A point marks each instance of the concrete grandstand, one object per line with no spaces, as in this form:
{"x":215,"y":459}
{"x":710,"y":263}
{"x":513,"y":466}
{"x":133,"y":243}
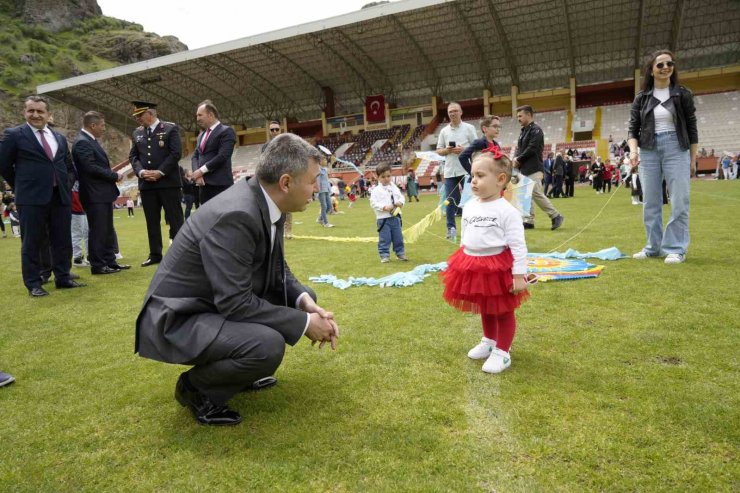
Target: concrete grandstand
{"x":569,"y":59}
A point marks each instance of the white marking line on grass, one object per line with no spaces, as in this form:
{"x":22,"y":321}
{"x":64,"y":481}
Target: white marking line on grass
{"x":718,"y":196}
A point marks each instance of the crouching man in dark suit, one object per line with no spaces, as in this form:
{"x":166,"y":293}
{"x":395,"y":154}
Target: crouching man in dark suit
{"x":223,"y":299}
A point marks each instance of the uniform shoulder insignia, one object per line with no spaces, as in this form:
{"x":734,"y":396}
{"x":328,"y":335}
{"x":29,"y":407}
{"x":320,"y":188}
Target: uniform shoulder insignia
{"x":140,"y":127}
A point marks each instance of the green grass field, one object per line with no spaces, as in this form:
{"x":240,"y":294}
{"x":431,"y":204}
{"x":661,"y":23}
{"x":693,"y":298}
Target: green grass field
{"x":628,"y":382}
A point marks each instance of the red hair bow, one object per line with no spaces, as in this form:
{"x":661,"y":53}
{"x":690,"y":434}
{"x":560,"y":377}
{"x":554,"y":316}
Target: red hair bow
{"x":495,"y":150}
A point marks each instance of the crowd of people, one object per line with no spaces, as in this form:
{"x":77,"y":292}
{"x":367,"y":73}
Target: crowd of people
{"x":223,"y":299}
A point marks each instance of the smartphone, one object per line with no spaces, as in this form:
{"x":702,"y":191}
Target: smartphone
{"x":452,"y":144}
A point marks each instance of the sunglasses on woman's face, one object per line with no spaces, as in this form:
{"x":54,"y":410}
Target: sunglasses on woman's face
{"x":670,"y":64}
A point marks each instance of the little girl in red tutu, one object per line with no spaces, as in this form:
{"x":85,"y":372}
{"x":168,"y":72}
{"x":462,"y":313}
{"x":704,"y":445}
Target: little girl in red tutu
{"x":487,"y":274}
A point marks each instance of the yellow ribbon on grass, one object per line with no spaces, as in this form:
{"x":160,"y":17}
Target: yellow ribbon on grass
{"x":410,"y":235}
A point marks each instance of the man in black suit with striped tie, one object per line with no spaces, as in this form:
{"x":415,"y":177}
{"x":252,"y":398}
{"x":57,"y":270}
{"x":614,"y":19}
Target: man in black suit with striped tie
{"x":212,"y":157}
{"x":98,"y":190}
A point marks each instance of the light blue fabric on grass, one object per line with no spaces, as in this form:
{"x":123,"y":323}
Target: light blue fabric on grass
{"x":612,"y":253}
{"x":399,"y":279}
{"x":420,"y":272}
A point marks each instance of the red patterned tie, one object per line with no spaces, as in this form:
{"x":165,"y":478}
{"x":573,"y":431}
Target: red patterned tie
{"x":46,"y":146}
{"x":203,"y":142}
{"x":49,"y":154}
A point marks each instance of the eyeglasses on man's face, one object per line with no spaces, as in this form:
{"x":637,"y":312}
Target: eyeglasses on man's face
{"x":274,"y":130}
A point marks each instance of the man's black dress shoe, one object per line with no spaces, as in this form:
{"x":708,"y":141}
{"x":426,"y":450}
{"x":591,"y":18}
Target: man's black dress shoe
{"x":119,"y":266}
{"x":203,"y":410}
{"x":104,"y":270}
{"x":528,"y":226}
{"x":37,"y":292}
{"x":70,"y":284}
{"x":150,"y":261}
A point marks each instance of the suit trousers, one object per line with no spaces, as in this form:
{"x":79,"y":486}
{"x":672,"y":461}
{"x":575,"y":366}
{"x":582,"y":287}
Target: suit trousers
{"x":241,"y":353}
{"x":569,"y":186}
{"x":539,"y":198}
{"x":45,"y":257}
{"x":154,"y":201}
{"x":37,"y":221}
{"x":207,"y":192}
{"x":101,"y":240}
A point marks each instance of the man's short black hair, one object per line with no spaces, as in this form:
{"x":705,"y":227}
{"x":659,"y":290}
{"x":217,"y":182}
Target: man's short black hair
{"x":35,"y":98}
{"x":526,"y":108}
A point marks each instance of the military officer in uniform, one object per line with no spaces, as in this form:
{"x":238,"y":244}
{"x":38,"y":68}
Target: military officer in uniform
{"x":154,"y":157}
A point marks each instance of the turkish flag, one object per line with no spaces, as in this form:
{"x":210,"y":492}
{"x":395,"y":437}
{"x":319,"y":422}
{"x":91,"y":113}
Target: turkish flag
{"x":375,"y":108}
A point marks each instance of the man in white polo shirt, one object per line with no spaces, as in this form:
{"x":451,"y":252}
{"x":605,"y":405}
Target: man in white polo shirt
{"x":453,"y":139}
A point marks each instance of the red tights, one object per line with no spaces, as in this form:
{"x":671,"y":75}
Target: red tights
{"x":500,"y":328}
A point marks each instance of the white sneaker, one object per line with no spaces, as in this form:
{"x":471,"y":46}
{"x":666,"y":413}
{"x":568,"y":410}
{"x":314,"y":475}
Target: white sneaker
{"x":675,"y":258}
{"x":328,"y":225}
{"x":483,"y":349}
{"x":385,"y":260}
{"x":641,"y":255}
{"x":497,"y":362}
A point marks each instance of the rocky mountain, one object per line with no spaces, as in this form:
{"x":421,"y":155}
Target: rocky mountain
{"x":46,"y":40}
{"x":56,"y":16}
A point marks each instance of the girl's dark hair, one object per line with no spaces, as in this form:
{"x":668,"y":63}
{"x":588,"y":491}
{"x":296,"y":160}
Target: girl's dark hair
{"x":648,"y":81}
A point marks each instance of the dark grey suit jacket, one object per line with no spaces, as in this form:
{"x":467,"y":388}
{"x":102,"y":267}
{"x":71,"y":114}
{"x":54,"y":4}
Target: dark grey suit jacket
{"x":25,"y":166}
{"x":216,"y":156}
{"x":97,"y":180}
{"x":219,"y":268}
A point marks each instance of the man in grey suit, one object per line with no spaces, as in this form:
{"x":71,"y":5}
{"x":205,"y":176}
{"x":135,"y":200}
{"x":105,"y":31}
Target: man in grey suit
{"x":224,"y":300}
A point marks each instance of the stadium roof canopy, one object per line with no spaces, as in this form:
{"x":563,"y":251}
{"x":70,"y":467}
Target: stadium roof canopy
{"x":410,"y":50}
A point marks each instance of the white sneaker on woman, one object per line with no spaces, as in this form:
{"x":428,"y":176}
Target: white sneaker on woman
{"x":675,"y":258}
{"x":483,"y":349}
{"x":497,"y":362}
{"x":641,"y":255}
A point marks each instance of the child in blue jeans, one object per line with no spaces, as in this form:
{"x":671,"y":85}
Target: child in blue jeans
{"x":387,"y":200}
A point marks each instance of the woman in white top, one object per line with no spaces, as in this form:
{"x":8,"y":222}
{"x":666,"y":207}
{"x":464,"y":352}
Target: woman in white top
{"x":663,"y":124}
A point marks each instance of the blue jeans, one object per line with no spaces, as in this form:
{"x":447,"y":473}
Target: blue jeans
{"x":325,"y":204}
{"x":389,"y":231}
{"x":667,"y":161}
{"x":452,"y":188}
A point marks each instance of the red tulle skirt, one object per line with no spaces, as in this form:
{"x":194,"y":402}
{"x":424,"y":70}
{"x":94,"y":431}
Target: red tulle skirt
{"x":481,"y":284}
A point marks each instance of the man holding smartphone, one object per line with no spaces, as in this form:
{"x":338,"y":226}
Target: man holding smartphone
{"x":453,"y":139}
